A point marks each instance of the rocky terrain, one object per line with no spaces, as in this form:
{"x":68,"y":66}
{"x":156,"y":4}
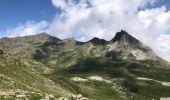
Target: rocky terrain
{"x":45,"y":67}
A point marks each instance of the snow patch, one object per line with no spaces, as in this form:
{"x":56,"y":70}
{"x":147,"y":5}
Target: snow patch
{"x":148,"y":79}
{"x":165,"y":83}
{"x":98,"y":78}
{"x":79,"y":79}
{"x":145,"y":79}
{"x":165,"y":98}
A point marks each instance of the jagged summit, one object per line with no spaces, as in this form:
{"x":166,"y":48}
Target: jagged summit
{"x":124,"y":36}
{"x":44,"y":37}
{"x":121,"y":36}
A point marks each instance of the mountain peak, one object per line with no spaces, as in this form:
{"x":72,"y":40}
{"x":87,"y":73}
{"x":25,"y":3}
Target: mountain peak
{"x":97,"y":41}
{"x":122,"y":32}
{"x":124,"y":36}
{"x":28,"y":40}
{"x":44,"y":37}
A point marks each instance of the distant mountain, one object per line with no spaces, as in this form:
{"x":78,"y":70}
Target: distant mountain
{"x":28,"y":40}
{"x":122,"y":69}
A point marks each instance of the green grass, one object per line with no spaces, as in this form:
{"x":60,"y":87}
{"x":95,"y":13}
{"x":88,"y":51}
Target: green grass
{"x":121,"y":72}
{"x":129,"y":71}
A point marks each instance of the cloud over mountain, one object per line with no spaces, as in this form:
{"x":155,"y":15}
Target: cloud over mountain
{"x":85,"y":19}
{"x":28,"y":28}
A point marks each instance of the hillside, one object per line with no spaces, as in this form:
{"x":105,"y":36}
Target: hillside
{"x":121,"y":69}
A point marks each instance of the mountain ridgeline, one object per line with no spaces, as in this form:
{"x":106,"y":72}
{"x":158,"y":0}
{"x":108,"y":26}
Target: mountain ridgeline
{"x":122,"y":68}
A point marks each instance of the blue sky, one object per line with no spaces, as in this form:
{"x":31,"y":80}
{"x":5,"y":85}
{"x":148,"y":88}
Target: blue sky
{"x":163,"y":2}
{"x":14,"y":12}
{"x":147,"y":20}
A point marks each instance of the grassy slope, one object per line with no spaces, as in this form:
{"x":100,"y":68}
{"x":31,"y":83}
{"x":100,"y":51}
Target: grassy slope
{"x":122,"y":73}
{"x":18,"y":76}
{"x":69,"y":61}
{"x":115,"y":70}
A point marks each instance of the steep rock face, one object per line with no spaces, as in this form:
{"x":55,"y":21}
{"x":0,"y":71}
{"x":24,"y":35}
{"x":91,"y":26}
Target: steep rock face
{"x":126,"y":46}
{"x":122,"y":46}
{"x":124,"y":36}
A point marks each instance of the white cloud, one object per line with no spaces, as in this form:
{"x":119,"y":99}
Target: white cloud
{"x":59,"y":3}
{"x":101,"y":18}
{"x":162,"y":46}
{"x":28,"y":28}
